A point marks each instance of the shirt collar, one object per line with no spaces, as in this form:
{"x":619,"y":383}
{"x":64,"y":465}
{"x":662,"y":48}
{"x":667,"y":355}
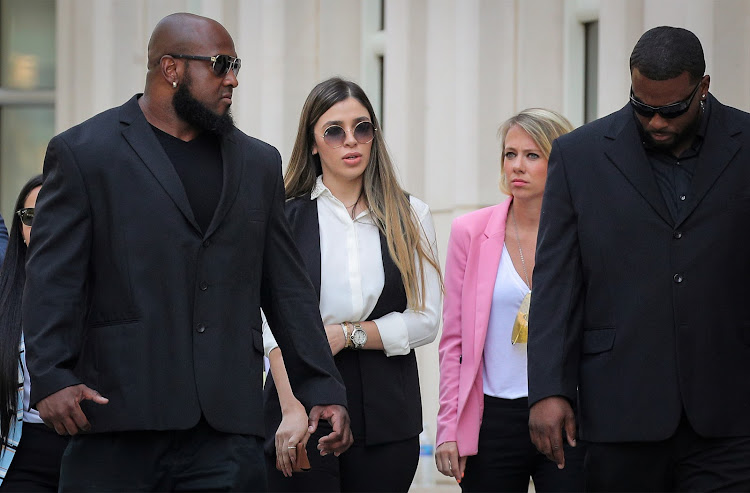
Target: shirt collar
{"x":320,"y":189}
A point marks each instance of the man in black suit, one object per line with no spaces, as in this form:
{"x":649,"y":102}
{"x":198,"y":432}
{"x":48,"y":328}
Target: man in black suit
{"x":159,"y":235}
{"x":639,"y":312}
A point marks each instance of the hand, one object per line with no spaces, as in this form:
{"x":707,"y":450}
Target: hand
{"x":547,"y":420}
{"x":291,"y":440}
{"x":62,"y":410}
{"x":340,"y":438}
{"x":449,"y":462}
{"x":335,"y":338}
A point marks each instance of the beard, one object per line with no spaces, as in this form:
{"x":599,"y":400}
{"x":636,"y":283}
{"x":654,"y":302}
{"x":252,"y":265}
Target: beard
{"x":197,"y":114}
{"x":677,"y":138}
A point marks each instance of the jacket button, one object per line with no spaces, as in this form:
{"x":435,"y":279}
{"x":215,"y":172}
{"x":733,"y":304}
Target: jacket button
{"x":677,"y":235}
{"x":677,"y":278}
{"x":206,"y":243}
{"x":201,"y":329}
{"x":203,"y":286}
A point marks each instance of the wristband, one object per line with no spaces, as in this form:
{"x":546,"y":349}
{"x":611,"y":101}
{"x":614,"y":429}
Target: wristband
{"x":347,"y":340}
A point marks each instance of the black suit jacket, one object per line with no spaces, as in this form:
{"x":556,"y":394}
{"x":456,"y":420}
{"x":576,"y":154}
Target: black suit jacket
{"x":644,"y":314}
{"x":382,"y":391}
{"x":126,"y":294}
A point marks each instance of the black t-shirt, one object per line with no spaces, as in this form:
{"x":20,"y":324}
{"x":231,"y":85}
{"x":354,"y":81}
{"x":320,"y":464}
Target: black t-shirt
{"x":199,"y":165}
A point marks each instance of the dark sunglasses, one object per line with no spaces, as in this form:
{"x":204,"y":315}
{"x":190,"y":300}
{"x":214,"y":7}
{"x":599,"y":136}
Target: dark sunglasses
{"x":335,"y":135}
{"x":667,"y":111}
{"x":26,"y":215}
{"x":219,"y":63}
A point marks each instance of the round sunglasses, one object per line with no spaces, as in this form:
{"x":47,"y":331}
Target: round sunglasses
{"x":26,"y":215}
{"x":221,"y":64}
{"x":335,"y":135}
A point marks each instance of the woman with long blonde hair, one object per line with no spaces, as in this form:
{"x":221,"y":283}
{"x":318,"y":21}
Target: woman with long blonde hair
{"x":370,"y":250}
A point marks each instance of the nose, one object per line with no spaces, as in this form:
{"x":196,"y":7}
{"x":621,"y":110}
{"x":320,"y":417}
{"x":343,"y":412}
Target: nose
{"x":350,"y":141}
{"x":658,"y":122}
{"x":230,"y":79}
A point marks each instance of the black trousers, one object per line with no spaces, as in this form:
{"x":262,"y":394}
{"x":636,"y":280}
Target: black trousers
{"x":506,"y":458}
{"x":684,"y":462}
{"x":198,"y":459}
{"x":36,"y":465}
{"x":376,"y":468}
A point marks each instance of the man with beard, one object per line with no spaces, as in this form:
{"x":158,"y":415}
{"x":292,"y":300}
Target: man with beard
{"x":158,"y":237}
{"x":639,"y":312}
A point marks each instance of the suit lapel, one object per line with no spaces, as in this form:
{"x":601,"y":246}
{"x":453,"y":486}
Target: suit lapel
{"x":718,"y":149}
{"x":490,"y":251}
{"x":624,"y":148}
{"x":139,"y":134}
{"x":232,"y":163}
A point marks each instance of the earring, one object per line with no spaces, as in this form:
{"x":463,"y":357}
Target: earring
{"x":703,"y":106}
{"x":174,"y":84}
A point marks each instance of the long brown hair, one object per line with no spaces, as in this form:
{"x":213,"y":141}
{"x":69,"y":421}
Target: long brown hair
{"x":389,"y":204}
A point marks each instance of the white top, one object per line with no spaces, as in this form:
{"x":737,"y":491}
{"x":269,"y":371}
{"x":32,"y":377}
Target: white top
{"x":504,"y":372}
{"x":352,"y":276}
{"x":30,"y":415}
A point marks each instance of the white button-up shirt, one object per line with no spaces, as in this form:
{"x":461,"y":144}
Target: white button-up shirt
{"x":352,"y":276}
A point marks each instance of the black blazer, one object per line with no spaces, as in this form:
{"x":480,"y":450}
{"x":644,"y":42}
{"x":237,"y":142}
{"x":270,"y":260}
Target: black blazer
{"x":382,"y":392}
{"x":644,"y":314}
{"x":126,"y":294}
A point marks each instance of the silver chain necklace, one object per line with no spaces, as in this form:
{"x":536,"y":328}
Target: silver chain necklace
{"x":520,"y":251}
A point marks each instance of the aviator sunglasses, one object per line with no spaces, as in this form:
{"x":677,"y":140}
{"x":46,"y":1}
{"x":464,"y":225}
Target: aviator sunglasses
{"x":335,"y":135}
{"x":219,"y":63}
{"x":26,"y":215}
{"x":667,"y":111}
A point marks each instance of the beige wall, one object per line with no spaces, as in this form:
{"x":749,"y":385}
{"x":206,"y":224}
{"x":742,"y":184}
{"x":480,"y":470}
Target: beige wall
{"x":454,"y":70}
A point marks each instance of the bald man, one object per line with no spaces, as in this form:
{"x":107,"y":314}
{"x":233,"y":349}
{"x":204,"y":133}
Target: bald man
{"x":158,"y":237}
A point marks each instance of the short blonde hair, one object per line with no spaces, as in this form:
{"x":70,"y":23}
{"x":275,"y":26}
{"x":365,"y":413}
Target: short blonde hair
{"x":542,"y":125}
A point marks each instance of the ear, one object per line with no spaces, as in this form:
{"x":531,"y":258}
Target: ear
{"x":705,"y":83}
{"x":169,"y":70}
{"x":314,"y":149}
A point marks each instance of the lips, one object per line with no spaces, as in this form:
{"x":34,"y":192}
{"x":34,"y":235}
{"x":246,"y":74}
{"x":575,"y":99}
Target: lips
{"x":352,"y":158}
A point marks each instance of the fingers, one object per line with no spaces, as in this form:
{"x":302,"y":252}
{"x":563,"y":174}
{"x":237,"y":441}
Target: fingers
{"x":447,"y":463}
{"x":313,"y":419}
{"x":340,"y":439}
{"x":570,"y":430}
{"x":558,"y":452}
{"x":93,"y":395}
{"x":462,"y":467}
{"x":285,"y":456}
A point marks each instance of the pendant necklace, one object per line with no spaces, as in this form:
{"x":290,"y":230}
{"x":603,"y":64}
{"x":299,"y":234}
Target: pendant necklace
{"x":520,"y":331}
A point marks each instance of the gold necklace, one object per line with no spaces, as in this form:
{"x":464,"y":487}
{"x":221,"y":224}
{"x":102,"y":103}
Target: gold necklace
{"x":520,"y":332}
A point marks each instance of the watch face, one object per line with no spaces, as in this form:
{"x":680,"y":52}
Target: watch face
{"x":359,"y":337}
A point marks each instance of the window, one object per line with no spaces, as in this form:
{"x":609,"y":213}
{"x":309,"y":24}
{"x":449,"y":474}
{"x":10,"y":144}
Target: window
{"x":373,"y":52}
{"x":27,"y":96}
{"x":591,"y":69}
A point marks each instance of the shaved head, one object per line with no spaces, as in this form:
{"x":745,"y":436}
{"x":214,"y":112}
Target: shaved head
{"x":183,"y":93}
{"x":181,"y":33}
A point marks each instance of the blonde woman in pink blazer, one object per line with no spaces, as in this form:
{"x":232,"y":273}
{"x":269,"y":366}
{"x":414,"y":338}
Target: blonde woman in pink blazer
{"x":482,"y":432}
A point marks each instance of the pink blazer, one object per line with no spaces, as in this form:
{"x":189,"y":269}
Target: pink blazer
{"x":474,"y":250}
